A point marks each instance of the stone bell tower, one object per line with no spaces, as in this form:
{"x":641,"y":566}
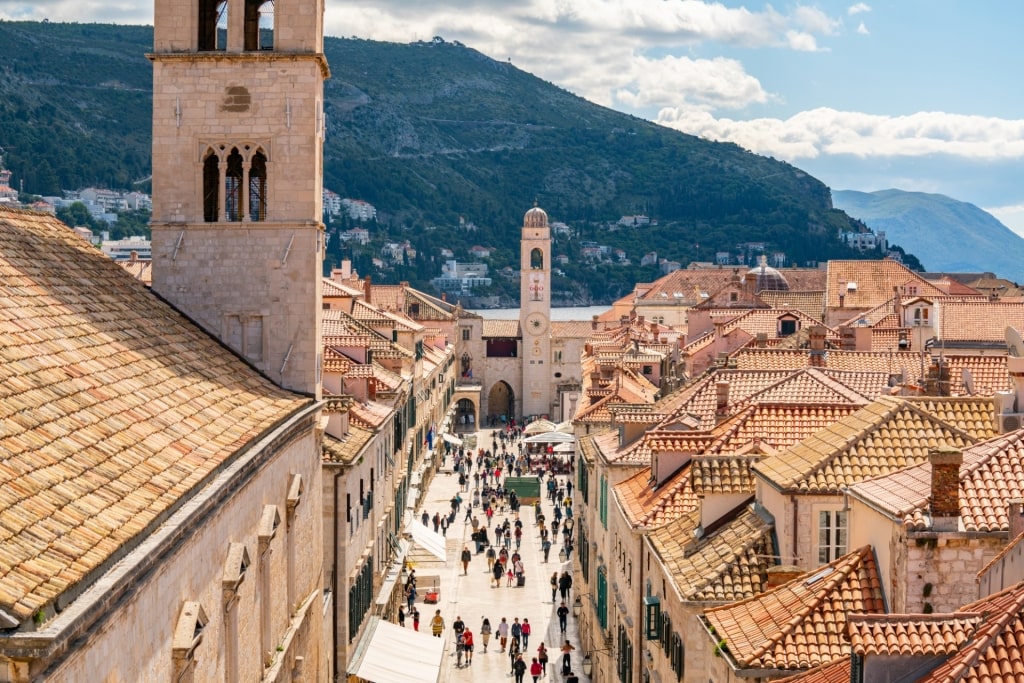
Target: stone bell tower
{"x":237,"y":176}
{"x":535,"y":312}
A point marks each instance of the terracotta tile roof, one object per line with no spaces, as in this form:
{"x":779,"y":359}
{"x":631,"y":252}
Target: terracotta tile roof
{"x":989,"y":372}
{"x":983,"y":321}
{"x":645,"y":506}
{"x":370,"y":414}
{"x":687,"y":285}
{"x":991,"y":474}
{"x":972,"y":414}
{"x":332,"y":289}
{"x":347,"y":449}
{"x":571,"y":329}
{"x":911,"y":635}
{"x":730,"y":563}
{"x":505,"y":329}
{"x":875,"y":281}
{"x":777,"y":426}
{"x":754,"y":322}
{"x":881,"y":438}
{"x":837,"y":672}
{"x":800,"y":624}
{"x":722,"y":474}
{"x":114,"y":408}
{"x":996,"y":652}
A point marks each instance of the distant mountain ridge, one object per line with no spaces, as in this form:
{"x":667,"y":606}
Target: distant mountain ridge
{"x":944,"y":233}
{"x":431,"y":133}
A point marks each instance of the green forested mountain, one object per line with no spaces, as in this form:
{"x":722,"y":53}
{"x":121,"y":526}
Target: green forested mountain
{"x":429,"y":133}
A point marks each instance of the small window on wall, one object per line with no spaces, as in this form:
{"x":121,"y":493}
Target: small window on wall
{"x":652,"y":616}
{"x":233,"y":187}
{"x":832,"y":528}
{"x":258,"y":187}
{"x":211,"y":186}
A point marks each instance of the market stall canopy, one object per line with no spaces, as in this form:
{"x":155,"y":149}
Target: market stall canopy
{"x":564,"y":427}
{"x":431,"y":541}
{"x":453,"y":440}
{"x":564,"y":448}
{"x":388,"y":653}
{"x":539,"y":427}
{"x":551,"y":437}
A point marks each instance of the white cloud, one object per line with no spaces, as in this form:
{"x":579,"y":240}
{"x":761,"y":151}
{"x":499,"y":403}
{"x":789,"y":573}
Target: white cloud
{"x":859,"y":8}
{"x":862,"y":29}
{"x":824,"y":131}
{"x":1011,"y":216}
{"x":684,"y":82}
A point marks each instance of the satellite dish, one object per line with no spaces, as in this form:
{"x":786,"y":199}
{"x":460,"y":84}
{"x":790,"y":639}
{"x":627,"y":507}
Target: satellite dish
{"x":1013,"y":342}
{"x":969,"y":380}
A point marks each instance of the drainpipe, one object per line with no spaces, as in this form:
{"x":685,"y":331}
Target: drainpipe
{"x":796,"y":505}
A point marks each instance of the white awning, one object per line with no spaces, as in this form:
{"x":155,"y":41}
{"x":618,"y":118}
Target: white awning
{"x":565,"y":448}
{"x":388,"y":653}
{"x":453,"y":440}
{"x":394,"y":572}
{"x":412,"y":496}
{"x":431,"y":541}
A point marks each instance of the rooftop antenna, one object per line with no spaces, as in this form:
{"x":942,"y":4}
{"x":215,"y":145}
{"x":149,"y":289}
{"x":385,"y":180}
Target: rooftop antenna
{"x":968,"y":381}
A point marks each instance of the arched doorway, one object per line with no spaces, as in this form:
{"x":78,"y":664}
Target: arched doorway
{"x":465,"y":415}
{"x":501,"y":403}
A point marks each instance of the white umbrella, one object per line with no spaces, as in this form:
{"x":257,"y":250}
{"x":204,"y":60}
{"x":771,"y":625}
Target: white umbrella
{"x":564,"y":427}
{"x":539,"y":427}
{"x":551,"y":437}
{"x":565,"y":448}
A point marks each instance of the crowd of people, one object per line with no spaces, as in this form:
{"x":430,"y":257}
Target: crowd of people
{"x":481,"y":476}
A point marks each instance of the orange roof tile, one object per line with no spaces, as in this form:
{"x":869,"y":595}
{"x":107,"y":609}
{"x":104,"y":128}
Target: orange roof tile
{"x":874,"y":283}
{"x":911,"y":635}
{"x":648,"y":507}
{"x":837,"y":672}
{"x":800,"y":624}
{"x":506,"y":329}
{"x":114,"y":406}
{"x":991,"y":474}
{"x":883,"y":437}
{"x":730,"y":563}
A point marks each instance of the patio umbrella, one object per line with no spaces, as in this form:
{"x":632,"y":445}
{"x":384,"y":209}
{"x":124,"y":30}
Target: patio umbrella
{"x":538,"y":427}
{"x":565,"y":448}
{"x":551,"y":437}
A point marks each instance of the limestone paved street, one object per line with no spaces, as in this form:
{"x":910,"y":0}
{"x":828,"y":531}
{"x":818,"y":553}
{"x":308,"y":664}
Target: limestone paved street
{"x":472,"y":597}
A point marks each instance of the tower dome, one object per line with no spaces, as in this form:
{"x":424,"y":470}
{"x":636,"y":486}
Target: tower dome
{"x":767,"y":278}
{"x":536,"y":218}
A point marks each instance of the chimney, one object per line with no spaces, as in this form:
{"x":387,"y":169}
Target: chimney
{"x":780,"y":574}
{"x":346,"y":269}
{"x":721,"y":401}
{"x":817,"y":341}
{"x":134,"y":257}
{"x":366,"y":290}
{"x":1016,"y":517}
{"x":444,"y":296}
{"x":593,"y":322}
{"x":762,"y":340}
{"x":944,"y":502}
{"x":897,"y":305}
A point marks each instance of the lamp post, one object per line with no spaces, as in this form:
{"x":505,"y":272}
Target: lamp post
{"x":577,"y":607}
{"x":588,"y":665}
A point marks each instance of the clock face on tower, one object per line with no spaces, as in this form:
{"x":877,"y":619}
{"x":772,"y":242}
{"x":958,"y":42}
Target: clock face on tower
{"x":536,"y":323}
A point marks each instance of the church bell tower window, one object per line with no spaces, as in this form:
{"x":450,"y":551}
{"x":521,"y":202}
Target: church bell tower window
{"x":259,"y":25}
{"x":233,"y":187}
{"x":258,"y":187}
{"x":211,"y":183}
{"x":213,"y":25}
{"x":537,"y":259}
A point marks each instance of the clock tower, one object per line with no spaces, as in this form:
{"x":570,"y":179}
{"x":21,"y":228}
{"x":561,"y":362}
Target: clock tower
{"x":535,"y":312}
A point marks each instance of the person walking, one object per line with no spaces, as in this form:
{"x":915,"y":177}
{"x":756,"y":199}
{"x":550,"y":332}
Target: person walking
{"x":497,"y":571}
{"x":564,"y":584}
{"x":563,"y":616}
{"x":466,"y":557}
{"x":401,"y":616}
{"x":514,"y":656}
{"x":467,"y":645}
{"x":542,"y":657}
{"x":567,"y":649}
{"x":491,"y":557}
{"x":535,"y":670}
{"x":503,"y":633}
{"x":554,"y":586}
{"x":546,"y":546}
{"x":415,"y":619}
{"x":485,"y":632}
{"x":459,"y":626}
{"x":525,"y":632}
{"x":518,"y":667}
{"x":517,"y":634}
{"x":437,"y":624}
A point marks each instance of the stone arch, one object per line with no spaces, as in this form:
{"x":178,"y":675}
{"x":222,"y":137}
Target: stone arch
{"x":233,"y":176}
{"x":536,"y":259}
{"x":467,"y":414}
{"x":501,"y":401}
{"x":211,"y":186}
{"x":259,"y":25}
{"x":213,"y":25}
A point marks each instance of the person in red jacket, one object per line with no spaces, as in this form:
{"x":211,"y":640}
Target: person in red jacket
{"x":535,"y":670}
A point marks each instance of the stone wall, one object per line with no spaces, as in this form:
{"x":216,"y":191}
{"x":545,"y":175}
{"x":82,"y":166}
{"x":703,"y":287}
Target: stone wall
{"x":942,"y":569}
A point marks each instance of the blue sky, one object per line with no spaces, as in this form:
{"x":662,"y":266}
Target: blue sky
{"x":913,"y":94}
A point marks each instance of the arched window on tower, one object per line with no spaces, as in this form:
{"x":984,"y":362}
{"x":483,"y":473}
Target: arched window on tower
{"x":211,"y":185}
{"x":537,"y":259}
{"x":258,"y":187}
{"x":213,"y":25}
{"x":259,"y":25}
{"x":233,"y":187}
